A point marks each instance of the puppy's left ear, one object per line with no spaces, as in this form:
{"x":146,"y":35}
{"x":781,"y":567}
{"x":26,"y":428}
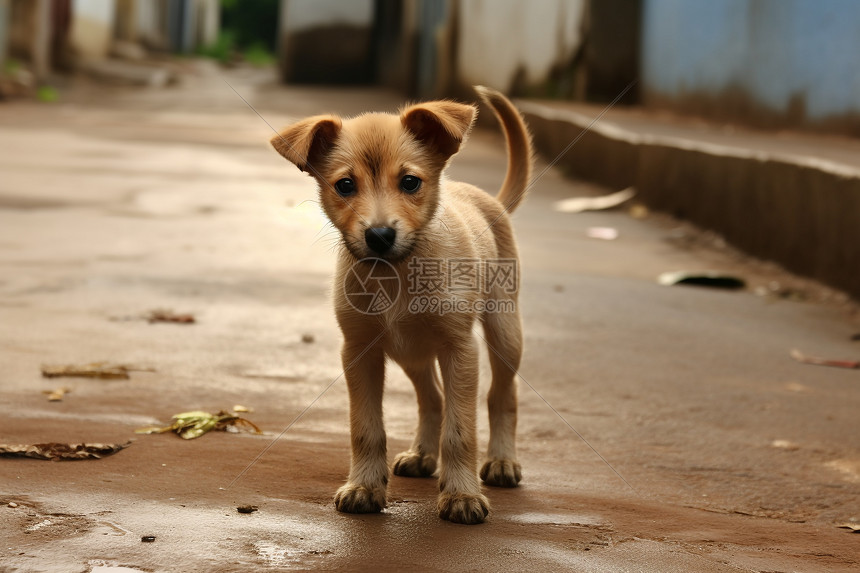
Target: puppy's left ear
{"x":308,"y":142}
{"x":441,"y":125}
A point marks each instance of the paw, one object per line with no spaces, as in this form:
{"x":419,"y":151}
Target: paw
{"x":355,"y":498}
{"x":463,"y":508}
{"x":501,"y":473}
{"x":413,"y":464}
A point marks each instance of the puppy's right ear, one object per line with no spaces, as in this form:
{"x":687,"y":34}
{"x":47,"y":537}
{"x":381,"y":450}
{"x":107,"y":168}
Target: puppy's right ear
{"x":441,"y":125}
{"x":308,"y":142}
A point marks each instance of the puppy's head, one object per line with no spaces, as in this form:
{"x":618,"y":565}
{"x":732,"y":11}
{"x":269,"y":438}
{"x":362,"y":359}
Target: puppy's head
{"x":379,"y":174}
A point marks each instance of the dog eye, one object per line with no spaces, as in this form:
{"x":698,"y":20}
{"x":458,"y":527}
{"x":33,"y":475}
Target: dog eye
{"x":345,"y":187}
{"x":410,"y":184}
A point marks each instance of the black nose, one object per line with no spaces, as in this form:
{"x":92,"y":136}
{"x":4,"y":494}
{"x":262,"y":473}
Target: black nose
{"x":380,"y":239}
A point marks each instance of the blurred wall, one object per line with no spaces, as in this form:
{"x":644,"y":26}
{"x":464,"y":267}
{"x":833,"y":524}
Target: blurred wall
{"x":177,"y":25}
{"x":612,"y":51}
{"x":207,"y":22}
{"x":396,"y":44}
{"x":326,"y":41}
{"x":517,"y":46}
{"x":439,"y":48}
{"x":5,"y":14}
{"x":768,"y":62}
{"x":151,"y":19}
{"x":92,"y":28}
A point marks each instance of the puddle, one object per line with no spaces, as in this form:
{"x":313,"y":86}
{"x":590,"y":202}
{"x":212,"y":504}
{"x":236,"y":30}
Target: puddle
{"x":537,"y":518}
{"x":40,"y":525}
{"x":114,"y":569}
{"x":274,"y":554}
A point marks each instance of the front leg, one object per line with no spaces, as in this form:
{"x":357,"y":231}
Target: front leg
{"x":364,"y":490}
{"x":460,"y":499}
{"x":420,"y":459}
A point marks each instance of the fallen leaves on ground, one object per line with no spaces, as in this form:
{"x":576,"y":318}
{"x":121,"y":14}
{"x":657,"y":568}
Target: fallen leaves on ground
{"x":58,"y":451}
{"x":167,"y":315}
{"x":190,"y":425}
{"x":158,"y":315}
{"x":818,"y":361}
{"x":604,"y":233}
{"x":579,"y":204}
{"x":101,"y":370}
{"x":56,"y":395}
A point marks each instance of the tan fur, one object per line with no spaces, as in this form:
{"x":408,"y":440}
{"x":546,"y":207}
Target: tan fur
{"x":444,"y":220}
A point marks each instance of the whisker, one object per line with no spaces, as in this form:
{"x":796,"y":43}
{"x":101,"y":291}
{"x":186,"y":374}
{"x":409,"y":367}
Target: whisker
{"x":326,"y":235}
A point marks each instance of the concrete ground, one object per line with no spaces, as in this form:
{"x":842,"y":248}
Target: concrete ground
{"x":113,"y":203}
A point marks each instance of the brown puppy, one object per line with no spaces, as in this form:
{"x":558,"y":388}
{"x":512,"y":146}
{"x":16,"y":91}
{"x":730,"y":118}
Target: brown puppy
{"x":423,"y":258}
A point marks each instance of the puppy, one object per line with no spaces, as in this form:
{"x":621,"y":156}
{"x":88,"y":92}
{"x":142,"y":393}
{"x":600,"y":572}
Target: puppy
{"x":422,"y":259}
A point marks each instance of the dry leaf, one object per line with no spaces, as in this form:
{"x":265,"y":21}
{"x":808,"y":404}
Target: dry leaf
{"x":103,"y":370}
{"x":579,"y":204}
{"x":166,"y":315}
{"x":56,"y":395}
{"x":57,"y":451}
{"x":854,"y":527}
{"x":806,"y":359}
{"x":190,"y":425}
{"x":605,"y":233}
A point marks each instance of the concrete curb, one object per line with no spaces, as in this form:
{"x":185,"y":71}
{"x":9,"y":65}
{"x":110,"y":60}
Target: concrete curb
{"x":801,"y":212}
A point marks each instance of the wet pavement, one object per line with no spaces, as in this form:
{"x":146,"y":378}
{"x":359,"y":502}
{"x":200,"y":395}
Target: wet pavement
{"x":113,"y":203}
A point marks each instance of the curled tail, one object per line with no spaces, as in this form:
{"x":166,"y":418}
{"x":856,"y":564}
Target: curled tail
{"x":519,"y":148}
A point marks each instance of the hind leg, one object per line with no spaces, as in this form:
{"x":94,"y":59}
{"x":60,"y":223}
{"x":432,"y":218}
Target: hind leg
{"x":505,"y":342}
{"x":420,"y":459}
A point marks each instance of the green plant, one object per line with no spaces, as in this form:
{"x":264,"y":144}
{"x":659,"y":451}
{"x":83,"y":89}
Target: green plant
{"x":12,"y":66}
{"x":47,"y":94}
{"x":223,"y":48}
{"x":257,"y":55}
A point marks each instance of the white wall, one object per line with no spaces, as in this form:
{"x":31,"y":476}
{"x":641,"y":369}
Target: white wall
{"x":497,"y":37}
{"x":92,"y":27}
{"x":208,"y":22}
{"x":150,"y":26}
{"x":302,"y":14}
